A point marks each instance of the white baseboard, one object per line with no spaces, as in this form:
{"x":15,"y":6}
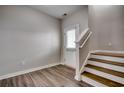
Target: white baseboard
{"x":108,"y":51}
{"x":93,"y":51}
{"x":68,"y":65}
{"x":27,"y":71}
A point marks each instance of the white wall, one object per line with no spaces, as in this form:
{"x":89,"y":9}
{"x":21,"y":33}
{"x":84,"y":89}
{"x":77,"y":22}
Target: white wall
{"x":28,"y":39}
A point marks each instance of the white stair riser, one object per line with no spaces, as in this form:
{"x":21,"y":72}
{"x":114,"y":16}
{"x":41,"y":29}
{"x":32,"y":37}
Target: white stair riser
{"x":108,"y":51}
{"x":117,"y":59}
{"x":105,"y":75}
{"x":92,"y":82}
{"x":108,"y":66}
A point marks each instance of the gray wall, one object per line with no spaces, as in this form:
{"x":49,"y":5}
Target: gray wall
{"x":79,"y":17}
{"x":28,"y":39}
{"x":107,"y":25}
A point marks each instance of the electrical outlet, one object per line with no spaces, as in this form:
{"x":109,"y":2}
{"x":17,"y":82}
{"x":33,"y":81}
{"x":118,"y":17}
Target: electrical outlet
{"x":109,"y":44}
{"x":23,"y":62}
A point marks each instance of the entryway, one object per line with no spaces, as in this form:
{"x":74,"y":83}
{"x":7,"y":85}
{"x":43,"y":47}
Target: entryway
{"x":70,"y":49}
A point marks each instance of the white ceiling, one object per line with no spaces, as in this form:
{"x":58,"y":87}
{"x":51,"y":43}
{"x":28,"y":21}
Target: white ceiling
{"x":57,"y":11}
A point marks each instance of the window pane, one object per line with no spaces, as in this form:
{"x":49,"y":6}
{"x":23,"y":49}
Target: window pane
{"x":71,"y":39}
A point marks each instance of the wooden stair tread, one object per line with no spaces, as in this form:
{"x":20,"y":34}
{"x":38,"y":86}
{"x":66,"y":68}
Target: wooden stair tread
{"x":109,"y":54}
{"x":107,"y":61}
{"x":102,"y":80}
{"x":112,"y":72}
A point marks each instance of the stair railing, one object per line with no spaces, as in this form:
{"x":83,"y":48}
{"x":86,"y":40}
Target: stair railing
{"x":83,"y":38}
{"x":85,"y":35}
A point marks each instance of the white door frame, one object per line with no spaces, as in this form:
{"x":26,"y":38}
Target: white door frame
{"x":76,"y":26}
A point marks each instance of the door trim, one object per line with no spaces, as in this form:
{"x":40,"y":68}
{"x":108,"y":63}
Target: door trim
{"x":76,"y":26}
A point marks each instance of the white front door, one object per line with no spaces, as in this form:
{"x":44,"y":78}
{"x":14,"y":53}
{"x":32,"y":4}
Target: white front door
{"x":70,"y":46}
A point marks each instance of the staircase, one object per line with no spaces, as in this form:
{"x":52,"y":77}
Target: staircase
{"x":104,"y":69}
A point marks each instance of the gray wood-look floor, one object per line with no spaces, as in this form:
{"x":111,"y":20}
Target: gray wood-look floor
{"x":57,"y":76}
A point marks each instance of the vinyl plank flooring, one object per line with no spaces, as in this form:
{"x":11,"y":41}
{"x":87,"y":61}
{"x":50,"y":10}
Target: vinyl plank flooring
{"x":56,"y":76}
